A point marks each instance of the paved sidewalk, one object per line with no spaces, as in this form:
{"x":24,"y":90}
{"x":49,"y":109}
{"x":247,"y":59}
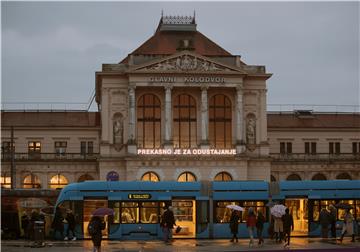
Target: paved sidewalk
{"x":183,"y":245}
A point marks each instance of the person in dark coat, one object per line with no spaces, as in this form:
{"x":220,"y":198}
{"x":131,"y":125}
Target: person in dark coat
{"x":333,"y":221}
{"x":288,"y":223}
{"x":234,"y":225}
{"x":260,"y":220}
{"x":167,"y":223}
{"x":25,"y":225}
{"x":70,"y":218}
{"x":98,"y":224}
{"x":324,"y":220}
{"x":34,"y":217}
{"x":57,"y":224}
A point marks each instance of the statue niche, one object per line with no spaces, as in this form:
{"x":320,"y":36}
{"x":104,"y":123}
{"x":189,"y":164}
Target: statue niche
{"x":118,"y":129}
{"x":251,"y":130}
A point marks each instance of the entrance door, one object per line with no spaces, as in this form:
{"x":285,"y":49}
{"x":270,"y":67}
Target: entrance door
{"x":185,"y":217}
{"x":299,"y":210}
{"x":89,"y":206}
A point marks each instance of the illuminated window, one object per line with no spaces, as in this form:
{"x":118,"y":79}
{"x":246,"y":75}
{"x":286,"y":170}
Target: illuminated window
{"x":58,"y":181}
{"x":343,"y":175}
{"x":186,"y":177}
{"x":149,"y":212}
{"x":184,"y":114}
{"x":319,"y":176}
{"x":150,"y":176}
{"x":31,"y":181}
{"x":85,"y":177}
{"x":220,"y":122}
{"x":293,"y":177}
{"x":129,"y":212}
{"x":34,"y":149}
{"x":5,"y":181}
{"x":223,"y":176}
{"x":149,"y":121}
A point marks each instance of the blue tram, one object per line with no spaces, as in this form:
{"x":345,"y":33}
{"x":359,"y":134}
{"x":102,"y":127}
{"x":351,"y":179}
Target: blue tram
{"x":200,"y":207}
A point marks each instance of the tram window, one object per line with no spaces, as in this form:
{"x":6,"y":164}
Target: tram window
{"x":341,"y":212}
{"x":318,"y":205}
{"x":258,"y":206}
{"x":116,"y":207}
{"x":222,"y":213}
{"x":129,"y":212}
{"x":149,"y":212}
{"x":357,"y":212}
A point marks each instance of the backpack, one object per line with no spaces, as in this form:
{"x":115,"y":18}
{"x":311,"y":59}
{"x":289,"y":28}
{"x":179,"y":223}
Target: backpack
{"x":91,"y":228}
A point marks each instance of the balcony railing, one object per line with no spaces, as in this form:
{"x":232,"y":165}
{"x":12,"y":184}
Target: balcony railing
{"x":315,"y":157}
{"x":49,"y":156}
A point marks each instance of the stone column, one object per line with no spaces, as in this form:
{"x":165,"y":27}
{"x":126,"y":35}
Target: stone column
{"x":264,"y":145}
{"x":132,"y":120}
{"x":240,"y":146}
{"x":168,"y":118}
{"x":204,"y":118}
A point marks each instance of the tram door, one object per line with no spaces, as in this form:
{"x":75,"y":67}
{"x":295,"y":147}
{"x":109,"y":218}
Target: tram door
{"x":299,"y":210}
{"x":90,"y":205}
{"x":185,"y":216}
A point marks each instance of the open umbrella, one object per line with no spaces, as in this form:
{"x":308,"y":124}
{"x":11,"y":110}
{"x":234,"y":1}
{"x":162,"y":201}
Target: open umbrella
{"x":278,"y":210}
{"x":103,"y":211}
{"x":235,"y":207}
{"x":344,"y":206}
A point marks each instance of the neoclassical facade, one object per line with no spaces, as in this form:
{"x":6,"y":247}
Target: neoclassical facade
{"x":179,"y":107}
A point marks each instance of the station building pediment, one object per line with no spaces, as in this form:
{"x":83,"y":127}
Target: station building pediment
{"x":186,"y":62}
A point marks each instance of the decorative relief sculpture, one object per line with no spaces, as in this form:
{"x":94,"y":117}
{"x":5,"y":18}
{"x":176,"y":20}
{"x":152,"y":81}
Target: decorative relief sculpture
{"x":251,"y":131}
{"x":118,"y":129}
{"x":187,"y":63}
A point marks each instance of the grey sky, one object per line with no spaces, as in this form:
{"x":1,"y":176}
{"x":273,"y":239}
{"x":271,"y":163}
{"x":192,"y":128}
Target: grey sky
{"x":51,"y":50}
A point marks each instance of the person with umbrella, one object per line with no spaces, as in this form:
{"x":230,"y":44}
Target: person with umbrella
{"x":278,"y":211}
{"x":348,"y":226}
{"x":234,"y":224}
{"x":96,"y":225}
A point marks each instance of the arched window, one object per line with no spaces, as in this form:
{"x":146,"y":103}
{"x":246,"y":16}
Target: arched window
{"x":85,"y":177}
{"x":150,"y":176}
{"x":344,"y":175}
{"x":272,"y":178}
{"x":5,"y":180}
{"x":293,"y":177}
{"x":223,"y":176}
{"x":58,"y":181}
{"x":220,"y":121}
{"x":31,"y":181}
{"x":186,"y":177}
{"x":319,"y":176}
{"x":184,"y":114}
{"x":149,"y":122}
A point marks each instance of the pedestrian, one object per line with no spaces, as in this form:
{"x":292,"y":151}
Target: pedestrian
{"x":324,"y":220}
{"x":348,"y":227}
{"x":95,"y":227}
{"x":70,"y":218}
{"x":251,"y":224}
{"x":167,"y":223}
{"x":34,"y":217}
{"x":278,"y":229}
{"x":234,"y":225}
{"x":25,"y":224}
{"x":333,"y":221}
{"x":260,"y":220}
{"x":57,"y":224}
{"x":288,"y":223}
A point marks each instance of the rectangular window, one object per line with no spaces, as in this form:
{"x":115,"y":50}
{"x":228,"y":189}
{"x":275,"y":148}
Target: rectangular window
{"x":129,"y":212}
{"x":356,"y":148}
{"x":310,"y":148}
{"x":149,"y":212}
{"x":86,"y":147}
{"x":83,"y":148}
{"x":334,"y":148}
{"x":6,"y":150}
{"x":60,"y":148}
{"x":285,"y":148}
{"x":90,"y":148}
{"x":223,"y":214}
{"x":5,"y":181}
{"x":34,"y":149}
